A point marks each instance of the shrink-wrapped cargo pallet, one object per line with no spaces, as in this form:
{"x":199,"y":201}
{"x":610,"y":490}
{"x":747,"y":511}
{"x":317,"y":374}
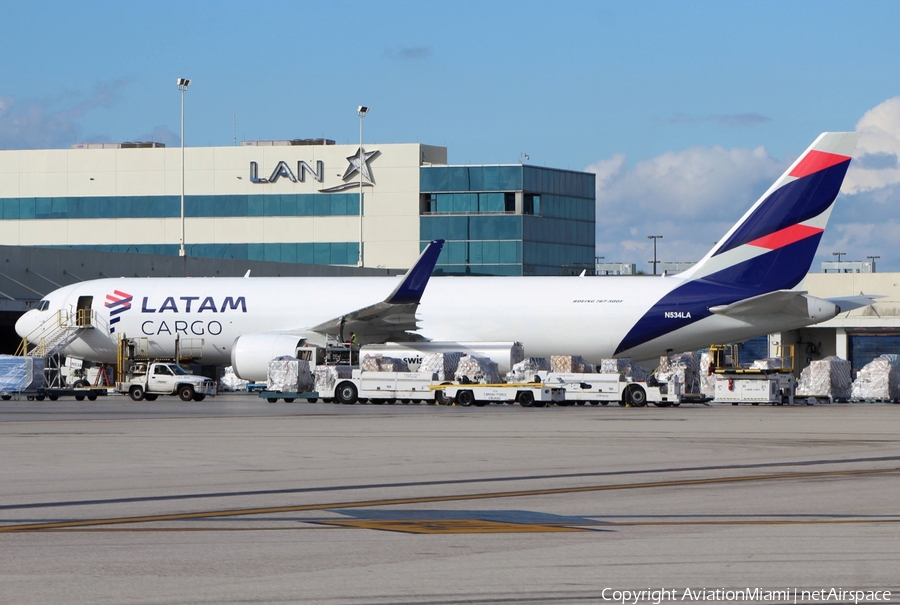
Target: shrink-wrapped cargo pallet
{"x":707,"y":379}
{"x":878,"y":380}
{"x":477,"y":369}
{"x":525,"y":370}
{"x":326,"y":378}
{"x":382,"y":363}
{"x":571,"y":364}
{"x":18,"y":374}
{"x":442,"y":364}
{"x":827,"y":378}
{"x":623,"y":366}
{"x":289,"y":375}
{"x":683,"y":368}
{"x":230,"y":382}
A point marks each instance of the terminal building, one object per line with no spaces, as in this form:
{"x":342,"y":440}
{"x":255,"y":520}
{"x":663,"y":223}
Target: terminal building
{"x":299,"y":202}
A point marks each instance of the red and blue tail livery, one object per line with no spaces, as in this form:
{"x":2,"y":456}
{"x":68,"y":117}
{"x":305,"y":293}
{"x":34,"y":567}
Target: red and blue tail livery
{"x":770,"y":249}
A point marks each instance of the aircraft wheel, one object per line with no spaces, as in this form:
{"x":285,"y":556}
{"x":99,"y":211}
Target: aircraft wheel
{"x":136,"y":393}
{"x":186,"y":392}
{"x":526,"y":399}
{"x":465,"y":398}
{"x":150,"y":397}
{"x":346,"y":393}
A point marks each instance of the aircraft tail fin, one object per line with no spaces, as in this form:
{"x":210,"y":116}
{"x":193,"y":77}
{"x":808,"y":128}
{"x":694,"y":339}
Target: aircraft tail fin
{"x":772,"y":246}
{"x":765,"y":255}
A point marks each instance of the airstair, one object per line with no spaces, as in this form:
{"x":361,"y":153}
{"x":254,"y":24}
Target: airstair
{"x":56,"y":333}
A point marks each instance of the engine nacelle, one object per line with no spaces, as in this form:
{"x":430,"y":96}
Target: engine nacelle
{"x":251,"y":353}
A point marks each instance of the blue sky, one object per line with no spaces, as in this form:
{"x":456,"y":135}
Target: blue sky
{"x":687,"y":110}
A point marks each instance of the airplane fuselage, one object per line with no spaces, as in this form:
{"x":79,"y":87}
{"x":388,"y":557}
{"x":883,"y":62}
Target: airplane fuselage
{"x":589,"y":316}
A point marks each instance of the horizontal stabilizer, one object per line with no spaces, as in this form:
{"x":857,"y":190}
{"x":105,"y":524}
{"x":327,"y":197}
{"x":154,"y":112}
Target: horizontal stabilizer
{"x":848,"y":303}
{"x":791,"y":302}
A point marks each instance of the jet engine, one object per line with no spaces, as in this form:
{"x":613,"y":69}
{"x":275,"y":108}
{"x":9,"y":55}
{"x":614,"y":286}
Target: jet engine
{"x":251,"y":353}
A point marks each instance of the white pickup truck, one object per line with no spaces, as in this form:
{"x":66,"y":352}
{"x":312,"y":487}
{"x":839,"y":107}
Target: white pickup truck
{"x":148,"y":381}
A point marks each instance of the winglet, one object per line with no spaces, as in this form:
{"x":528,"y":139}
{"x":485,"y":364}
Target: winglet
{"x":410,"y":290}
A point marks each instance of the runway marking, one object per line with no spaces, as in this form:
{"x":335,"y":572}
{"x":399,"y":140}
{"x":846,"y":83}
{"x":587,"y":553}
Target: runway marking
{"x":432,"y":499}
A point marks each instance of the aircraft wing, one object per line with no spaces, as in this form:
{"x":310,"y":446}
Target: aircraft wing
{"x":791,"y":302}
{"x":394,"y":318}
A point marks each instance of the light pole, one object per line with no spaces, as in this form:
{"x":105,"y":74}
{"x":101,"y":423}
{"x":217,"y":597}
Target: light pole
{"x":872,"y":258}
{"x":839,"y":255}
{"x":654,"y":261}
{"x":183,"y":84}
{"x":362,"y":110}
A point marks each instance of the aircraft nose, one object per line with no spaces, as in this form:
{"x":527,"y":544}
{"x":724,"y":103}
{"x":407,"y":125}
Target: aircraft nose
{"x":26,"y":324}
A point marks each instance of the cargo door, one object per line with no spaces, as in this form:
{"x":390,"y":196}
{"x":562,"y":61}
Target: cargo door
{"x":83,"y":313}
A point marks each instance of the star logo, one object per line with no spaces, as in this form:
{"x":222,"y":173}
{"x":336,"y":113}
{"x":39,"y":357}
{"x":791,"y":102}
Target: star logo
{"x":359,"y":162}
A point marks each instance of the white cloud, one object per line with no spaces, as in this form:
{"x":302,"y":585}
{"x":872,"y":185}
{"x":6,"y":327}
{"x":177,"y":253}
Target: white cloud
{"x":690,"y":197}
{"x":876,"y":165}
{"x":50,"y":123}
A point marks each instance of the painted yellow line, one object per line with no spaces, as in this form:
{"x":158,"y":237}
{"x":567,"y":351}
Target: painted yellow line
{"x":430,"y":499}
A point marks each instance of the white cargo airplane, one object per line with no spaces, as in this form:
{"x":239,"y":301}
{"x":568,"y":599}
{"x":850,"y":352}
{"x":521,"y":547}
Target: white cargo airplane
{"x":745,"y":286}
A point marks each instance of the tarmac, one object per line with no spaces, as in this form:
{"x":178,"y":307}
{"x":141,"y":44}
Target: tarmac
{"x":236,"y":500}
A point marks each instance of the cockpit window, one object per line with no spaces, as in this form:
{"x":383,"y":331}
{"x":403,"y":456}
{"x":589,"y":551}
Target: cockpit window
{"x":43,"y":305}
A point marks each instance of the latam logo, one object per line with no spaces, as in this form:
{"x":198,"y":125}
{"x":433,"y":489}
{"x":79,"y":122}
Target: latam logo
{"x":118,"y":302}
{"x":678,"y":314}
